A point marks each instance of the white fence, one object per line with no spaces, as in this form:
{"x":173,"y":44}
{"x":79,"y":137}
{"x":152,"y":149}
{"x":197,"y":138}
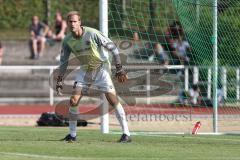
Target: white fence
{"x":187,"y":69}
{"x":195,"y":74}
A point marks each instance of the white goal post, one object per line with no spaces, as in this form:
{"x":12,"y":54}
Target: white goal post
{"x":103,"y":24}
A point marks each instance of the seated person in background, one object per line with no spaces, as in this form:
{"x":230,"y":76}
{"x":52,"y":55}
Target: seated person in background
{"x":38,"y":31}
{"x":135,"y":37}
{"x":170,"y":48}
{"x":172,"y":34}
{"x":150,"y":51}
{"x":1,"y":53}
{"x":180,"y":57}
{"x":175,"y":30}
{"x":137,"y":43}
{"x":182,"y":48}
{"x":220,"y":97}
{"x":145,"y":51}
{"x":190,"y":97}
{"x":159,"y":55}
{"x":60,"y":28}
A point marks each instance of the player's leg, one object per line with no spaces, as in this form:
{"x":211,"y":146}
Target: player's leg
{"x":73,"y":114}
{"x":42,"y":45}
{"x":120,"y":114}
{"x":59,"y":37}
{"x":34,"y":47}
{"x":103,"y":81}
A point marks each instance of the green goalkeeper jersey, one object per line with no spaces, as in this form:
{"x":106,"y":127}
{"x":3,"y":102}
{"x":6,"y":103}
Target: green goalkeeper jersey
{"x":87,"y":49}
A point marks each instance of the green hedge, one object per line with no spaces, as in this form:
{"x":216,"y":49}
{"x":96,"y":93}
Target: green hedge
{"x":16,"y":14}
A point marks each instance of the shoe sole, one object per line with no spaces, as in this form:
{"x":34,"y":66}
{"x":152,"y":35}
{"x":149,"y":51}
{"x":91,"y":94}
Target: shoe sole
{"x":128,"y":141}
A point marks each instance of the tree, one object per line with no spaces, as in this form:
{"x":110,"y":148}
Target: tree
{"x":152,"y":9}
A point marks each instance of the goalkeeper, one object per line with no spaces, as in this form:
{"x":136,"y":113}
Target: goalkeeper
{"x":86,"y":44}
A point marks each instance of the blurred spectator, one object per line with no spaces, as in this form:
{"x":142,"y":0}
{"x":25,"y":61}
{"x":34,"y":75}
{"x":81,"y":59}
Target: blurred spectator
{"x":180,"y":54}
{"x":142,"y":50}
{"x":159,"y":55}
{"x":1,"y":53}
{"x":60,"y":28}
{"x":137,"y":43}
{"x":220,"y":97}
{"x":150,"y":51}
{"x":172,"y":34}
{"x":209,"y":102}
{"x":182,"y":48}
{"x":190,"y":97}
{"x":38,"y":31}
{"x":135,"y":37}
{"x":175,"y":30}
{"x":145,"y":51}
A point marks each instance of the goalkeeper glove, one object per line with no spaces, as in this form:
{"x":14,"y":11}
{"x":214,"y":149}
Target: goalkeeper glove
{"x":59,"y":85}
{"x":121,"y":74}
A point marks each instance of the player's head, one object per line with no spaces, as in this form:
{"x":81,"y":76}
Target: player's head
{"x":73,"y":21}
{"x":71,"y":13}
{"x":135,"y":36}
{"x":195,"y":87}
{"x":58,"y":16}
{"x":1,"y":49}
{"x":35,"y":20}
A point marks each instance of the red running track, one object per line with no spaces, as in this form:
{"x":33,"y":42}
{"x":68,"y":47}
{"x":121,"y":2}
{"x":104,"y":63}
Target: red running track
{"x":139,"y":109}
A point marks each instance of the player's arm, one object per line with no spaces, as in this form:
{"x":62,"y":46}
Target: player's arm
{"x":32,"y":34}
{"x":45,"y":28}
{"x":63,"y":29}
{"x":110,"y":46}
{"x":65,"y":53}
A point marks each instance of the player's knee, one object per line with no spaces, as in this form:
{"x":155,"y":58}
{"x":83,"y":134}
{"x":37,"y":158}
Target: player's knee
{"x":114,"y":102}
{"x":74,"y":101}
{"x":34,"y":42}
{"x":33,"y":39}
{"x":42,"y":40}
{"x":112,"y":99}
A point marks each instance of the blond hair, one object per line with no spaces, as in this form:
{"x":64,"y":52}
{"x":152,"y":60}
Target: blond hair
{"x":71,"y":13}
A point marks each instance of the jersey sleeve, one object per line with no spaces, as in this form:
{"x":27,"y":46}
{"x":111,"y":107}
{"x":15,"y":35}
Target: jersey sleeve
{"x":65,"y":53}
{"x":104,"y":41}
{"x":42,"y":25}
{"x":187,"y":45}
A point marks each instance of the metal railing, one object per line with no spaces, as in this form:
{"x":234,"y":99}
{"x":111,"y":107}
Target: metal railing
{"x":148,"y":68}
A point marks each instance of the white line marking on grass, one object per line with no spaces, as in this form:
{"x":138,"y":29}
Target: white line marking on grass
{"x":102,"y":158}
{"x":180,"y":135}
{"x":217,"y":139}
{"x":67,"y":158}
{"x":36,"y":156}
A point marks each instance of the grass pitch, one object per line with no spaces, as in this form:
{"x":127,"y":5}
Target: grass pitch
{"x":33,"y":143}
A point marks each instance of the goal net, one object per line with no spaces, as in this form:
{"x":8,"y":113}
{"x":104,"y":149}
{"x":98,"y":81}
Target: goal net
{"x":167,"y":49}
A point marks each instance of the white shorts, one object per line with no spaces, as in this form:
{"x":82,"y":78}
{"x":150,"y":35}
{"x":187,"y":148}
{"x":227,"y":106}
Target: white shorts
{"x":98,"y":80}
